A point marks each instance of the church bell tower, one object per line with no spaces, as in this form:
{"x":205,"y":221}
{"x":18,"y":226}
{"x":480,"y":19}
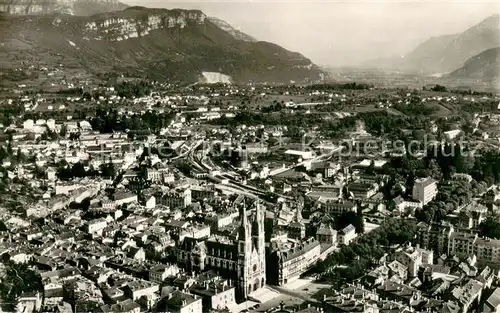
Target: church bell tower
{"x":251,"y":251}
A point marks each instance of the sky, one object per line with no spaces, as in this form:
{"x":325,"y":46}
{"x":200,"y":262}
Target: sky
{"x":342,"y":33}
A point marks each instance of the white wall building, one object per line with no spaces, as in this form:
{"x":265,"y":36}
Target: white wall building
{"x":425,"y":190}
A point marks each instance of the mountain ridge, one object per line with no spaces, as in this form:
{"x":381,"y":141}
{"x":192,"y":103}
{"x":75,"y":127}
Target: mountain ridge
{"x":237,"y":34}
{"x":176,"y":45}
{"x":446,"y":53}
{"x":485,"y":65}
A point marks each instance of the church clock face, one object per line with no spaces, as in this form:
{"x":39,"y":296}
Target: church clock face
{"x":255,"y":267}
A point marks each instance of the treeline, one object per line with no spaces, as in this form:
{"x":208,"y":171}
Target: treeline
{"x":472,"y":92}
{"x":133,"y":89}
{"x":10,"y":112}
{"x":332,"y":87}
{"x":71,"y":91}
{"x":110,"y":121}
{"x":482,"y":165}
{"x":439,"y":88}
{"x":479,"y":106}
{"x":66,"y":172}
{"x":380,"y":122}
{"x":443,"y":161}
{"x":376,"y":122}
{"x":256,"y":118}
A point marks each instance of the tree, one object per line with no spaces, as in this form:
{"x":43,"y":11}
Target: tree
{"x":108,"y":170}
{"x":434,"y":170}
{"x":490,"y":228}
{"x":19,"y":156}
{"x":2,"y":226}
{"x":351,"y":218}
{"x":371,"y":168}
{"x":74,"y":136}
{"x":418,"y":134}
{"x":63,"y":131}
{"x":439,"y":88}
{"x":78,"y":170}
{"x":18,"y":278}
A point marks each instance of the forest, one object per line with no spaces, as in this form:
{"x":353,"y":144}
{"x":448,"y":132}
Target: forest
{"x":108,"y":121}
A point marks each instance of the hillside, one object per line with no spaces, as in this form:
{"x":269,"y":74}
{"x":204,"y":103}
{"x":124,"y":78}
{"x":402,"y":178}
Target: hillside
{"x":173,"y":45}
{"x":485,"y":65}
{"x":427,"y":56}
{"x":446,"y":53}
{"x":236,"y":33}
{"x":72,"y":7}
{"x":481,"y":37}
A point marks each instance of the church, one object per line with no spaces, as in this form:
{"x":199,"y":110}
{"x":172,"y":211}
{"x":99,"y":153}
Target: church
{"x":241,"y":257}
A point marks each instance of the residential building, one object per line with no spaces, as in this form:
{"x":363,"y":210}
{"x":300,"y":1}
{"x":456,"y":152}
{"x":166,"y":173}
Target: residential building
{"x":140,"y":288}
{"x":126,"y":306}
{"x":254,"y":148}
{"x":492,"y":303}
{"x":346,"y":235}
{"x":425,"y":190}
{"x":291,"y":258}
{"x":339,"y":207}
{"x":216,"y":294}
{"x":96,"y":226}
{"x":181,"y":302}
{"x":331,"y":169}
{"x":362,"y":191}
{"x":175,"y":199}
{"x":413,"y":258}
{"x":124,"y":197}
{"x":466,"y":295}
{"x":464,"y":245}
{"x":326,"y":234}
{"x":161,"y":272}
{"x":434,"y":237}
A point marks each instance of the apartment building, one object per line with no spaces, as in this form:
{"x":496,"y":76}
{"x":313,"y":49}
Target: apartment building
{"x":425,"y":190}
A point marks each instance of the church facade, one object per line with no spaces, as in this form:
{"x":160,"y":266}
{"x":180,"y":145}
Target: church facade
{"x":241,"y":257}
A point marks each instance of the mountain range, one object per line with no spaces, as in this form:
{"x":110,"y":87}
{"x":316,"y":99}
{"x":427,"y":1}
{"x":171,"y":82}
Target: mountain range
{"x":107,"y":36}
{"x":175,"y":45}
{"x":446,"y":54}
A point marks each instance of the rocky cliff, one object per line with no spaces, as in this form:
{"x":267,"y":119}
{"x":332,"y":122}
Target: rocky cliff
{"x":132,"y":23}
{"x":72,"y":7}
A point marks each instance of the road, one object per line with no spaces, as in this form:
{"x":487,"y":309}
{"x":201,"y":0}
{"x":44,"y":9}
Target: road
{"x":292,"y":293}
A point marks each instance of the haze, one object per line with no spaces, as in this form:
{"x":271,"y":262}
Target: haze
{"x":342,"y":33}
